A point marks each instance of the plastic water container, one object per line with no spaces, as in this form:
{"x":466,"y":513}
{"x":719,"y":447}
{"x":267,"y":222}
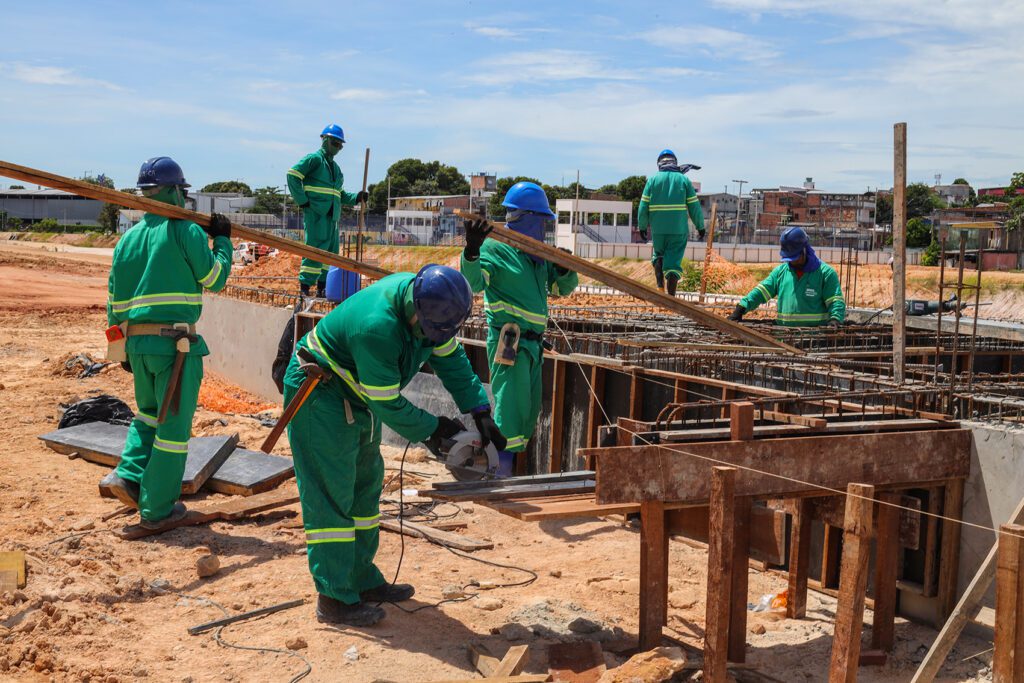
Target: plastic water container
{"x":341,"y":284}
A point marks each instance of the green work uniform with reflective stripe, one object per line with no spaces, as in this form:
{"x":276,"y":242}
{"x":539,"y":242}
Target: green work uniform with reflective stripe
{"x":372,"y":351}
{"x":667,"y":200}
{"x":158,"y":274}
{"x":317,"y":180}
{"x":804,"y":300}
{"x":516,"y":291}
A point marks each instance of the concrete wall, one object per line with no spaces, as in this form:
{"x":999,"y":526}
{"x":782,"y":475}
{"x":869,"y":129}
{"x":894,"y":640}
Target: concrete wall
{"x":243,"y":338}
{"x":737,"y":253}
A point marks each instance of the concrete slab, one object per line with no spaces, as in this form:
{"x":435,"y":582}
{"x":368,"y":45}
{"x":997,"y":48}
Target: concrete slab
{"x":248,"y":472}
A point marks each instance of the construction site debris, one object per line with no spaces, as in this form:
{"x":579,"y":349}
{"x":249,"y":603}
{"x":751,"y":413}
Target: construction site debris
{"x":653,"y":666}
{"x":207,"y":565}
{"x":104,"y":408}
{"x":296,"y":643}
{"x":488,"y":604}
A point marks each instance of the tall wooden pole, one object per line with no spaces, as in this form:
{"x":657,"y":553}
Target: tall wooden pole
{"x":899,"y":249}
{"x":707,"y":253}
{"x":362,"y":210}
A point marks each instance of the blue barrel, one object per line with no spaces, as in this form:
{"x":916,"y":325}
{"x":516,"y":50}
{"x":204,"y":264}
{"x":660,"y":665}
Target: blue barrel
{"x":341,"y":284}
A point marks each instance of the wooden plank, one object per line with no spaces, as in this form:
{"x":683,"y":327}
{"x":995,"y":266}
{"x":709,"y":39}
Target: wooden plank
{"x":740,"y":578}
{"x":831,"y":556}
{"x":624,"y":284}
{"x":949,"y":549}
{"x":720,"y":554}
{"x":580,"y":662}
{"x":816,"y":423}
{"x":653,"y":573}
{"x":445,"y":538}
{"x":887,"y":550}
{"x":513,"y":662}
{"x":853,"y":580}
{"x":557,"y":414}
{"x":931,"y":537}
{"x":964,"y":610}
{"x":500,"y":492}
{"x":482,"y":659}
{"x":1008,"y":656}
{"x":8,"y":580}
{"x":521,"y":678}
{"x":594,"y":415}
{"x":14,"y":561}
{"x":767,"y":530}
{"x":741,"y":421}
{"x":784,"y":430}
{"x":636,"y":394}
{"x":553,"y":478}
{"x":832,"y":509}
{"x":538,"y":510}
{"x":679,"y":473}
{"x":799,"y":560}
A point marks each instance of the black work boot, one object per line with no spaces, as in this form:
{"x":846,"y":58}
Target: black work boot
{"x":388,"y":592}
{"x":671,"y":281}
{"x":659,"y":275}
{"x":331,"y":611}
{"x":178,"y":513}
{"x":126,"y":490}
{"x":304,"y":289}
{"x":321,"y":290}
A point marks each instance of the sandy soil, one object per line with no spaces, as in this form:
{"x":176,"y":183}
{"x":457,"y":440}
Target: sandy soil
{"x":90,"y":611}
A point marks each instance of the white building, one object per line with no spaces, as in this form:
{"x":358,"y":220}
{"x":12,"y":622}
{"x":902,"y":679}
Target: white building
{"x":592,"y":220}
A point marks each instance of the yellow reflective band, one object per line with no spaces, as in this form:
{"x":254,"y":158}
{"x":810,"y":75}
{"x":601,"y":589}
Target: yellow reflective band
{"x":331,"y":535}
{"x":345,"y":375}
{"x":446,"y":349}
{"x":671,"y":271}
{"x":310,"y":269}
{"x":388,"y":393}
{"x":366,"y":523}
{"x":323,"y":190}
{"x":680,"y":207}
{"x":691,"y":200}
{"x":837,"y":297}
{"x":169,"y":299}
{"x":645,"y":198}
{"x":764,"y":292}
{"x":149,"y":420}
{"x":486,"y":276}
{"x":505,"y":307}
{"x":212,"y":276}
{"x":292,"y":171}
{"x":179,"y":447}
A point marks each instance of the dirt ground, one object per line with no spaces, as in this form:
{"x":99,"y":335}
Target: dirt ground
{"x":100,"y":609}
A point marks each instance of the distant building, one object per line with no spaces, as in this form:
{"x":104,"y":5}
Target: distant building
{"x":126,"y":218}
{"x":830,"y":218}
{"x":482,"y":186}
{"x":996,"y":191}
{"x":593,"y":220}
{"x":32,"y":206}
{"x":221,"y":202}
{"x":427,"y":219}
{"x":956,"y":194}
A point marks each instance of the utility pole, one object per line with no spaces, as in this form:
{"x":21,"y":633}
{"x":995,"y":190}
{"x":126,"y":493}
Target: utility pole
{"x":899,"y":249}
{"x":739,"y":195}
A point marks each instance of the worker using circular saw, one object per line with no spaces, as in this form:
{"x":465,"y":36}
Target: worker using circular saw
{"x":315,"y":186}
{"x":516,"y":287}
{"x":667,"y":201}
{"x":155,"y":296}
{"x":807,"y":288}
{"x":371,"y":346}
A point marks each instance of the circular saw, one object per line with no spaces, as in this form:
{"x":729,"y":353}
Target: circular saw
{"x":467,"y":459}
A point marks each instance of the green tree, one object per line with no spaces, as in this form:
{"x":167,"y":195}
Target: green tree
{"x":883,"y":209}
{"x":921,"y":201}
{"x":413,"y":177}
{"x":1016,"y":182}
{"x":972,"y":196}
{"x":919,"y":233}
{"x":229,"y":186}
{"x":268,"y":200}
{"x":495,"y":211}
{"x":108,"y":212}
{"x":930,"y":257}
{"x":611,"y":188}
{"x":47,"y":225}
{"x":631,"y":188}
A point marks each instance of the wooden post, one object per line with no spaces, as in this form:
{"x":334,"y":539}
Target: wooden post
{"x":853,"y":581}
{"x":830,"y":556}
{"x":931,"y":538}
{"x":653,"y":573}
{"x":594,"y":414}
{"x":636,"y":395}
{"x":741,"y":421}
{"x":899,"y":251}
{"x":722,"y":522}
{"x":949,"y":548}
{"x":1008,"y":657}
{"x":362,"y":210}
{"x":740,"y":578}
{"x":887,"y":549}
{"x":799,"y":560}
{"x":707,"y":253}
{"x":679,"y":391}
{"x":557,"y":415}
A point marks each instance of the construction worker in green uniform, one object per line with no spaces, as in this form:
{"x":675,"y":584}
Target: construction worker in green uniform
{"x":371,"y":346}
{"x":516,"y":287}
{"x":668,"y":198}
{"x":161,"y":267}
{"x":807,"y":288}
{"x":315,"y":186}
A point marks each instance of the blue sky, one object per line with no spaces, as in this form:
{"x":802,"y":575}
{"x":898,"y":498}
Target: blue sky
{"x":769,"y":91}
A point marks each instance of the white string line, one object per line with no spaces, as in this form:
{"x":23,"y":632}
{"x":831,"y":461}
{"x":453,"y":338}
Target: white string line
{"x":639,"y":436}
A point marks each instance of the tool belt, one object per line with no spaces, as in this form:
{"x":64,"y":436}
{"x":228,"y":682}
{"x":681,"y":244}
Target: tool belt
{"x":528,"y":335}
{"x":158,"y":329}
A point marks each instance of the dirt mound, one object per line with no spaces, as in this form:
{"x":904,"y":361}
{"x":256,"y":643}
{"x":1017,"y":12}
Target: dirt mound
{"x":278,"y":265}
{"x":217,"y":395}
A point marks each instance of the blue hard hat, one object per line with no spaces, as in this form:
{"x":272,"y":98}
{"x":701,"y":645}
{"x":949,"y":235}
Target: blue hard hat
{"x":160,"y":171}
{"x":527,"y":196}
{"x":666,"y":153}
{"x":443,"y":300}
{"x":335,"y":131}
{"x":793,"y":241}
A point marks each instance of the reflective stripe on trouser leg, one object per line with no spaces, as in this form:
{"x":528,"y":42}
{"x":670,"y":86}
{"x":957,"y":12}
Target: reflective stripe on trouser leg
{"x":671,"y":248}
{"x":318,"y":231}
{"x":517,"y":392}
{"x":337,"y":479}
{"x":141,"y":431}
{"x":160,"y":483}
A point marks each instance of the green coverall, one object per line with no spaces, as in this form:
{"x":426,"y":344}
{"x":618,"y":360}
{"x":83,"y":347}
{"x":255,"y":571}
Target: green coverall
{"x":160,"y":268}
{"x":667,"y":199}
{"x":805,"y":300}
{"x":373,"y":351}
{"x":516,"y":290}
{"x":317,"y":180}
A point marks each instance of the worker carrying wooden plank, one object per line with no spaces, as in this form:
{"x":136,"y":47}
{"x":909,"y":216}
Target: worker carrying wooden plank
{"x":155,"y":296}
{"x":516,"y":287}
{"x":667,"y":201}
{"x":807,"y":288}
{"x":315,"y":184}
{"x":372,"y":345}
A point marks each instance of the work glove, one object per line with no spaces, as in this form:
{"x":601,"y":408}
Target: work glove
{"x":219,"y":226}
{"x":834,"y":324}
{"x":737,"y":313}
{"x":702,"y":233}
{"x":446,"y":429}
{"x":643,"y":235}
{"x":476,"y":233}
{"x":559,"y":269}
{"x":126,"y":366}
{"x":362,"y":196}
{"x":489,"y":432}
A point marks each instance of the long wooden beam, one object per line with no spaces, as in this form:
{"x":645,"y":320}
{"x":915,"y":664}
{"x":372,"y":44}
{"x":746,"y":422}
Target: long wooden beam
{"x":131,"y":201}
{"x":779,"y":467}
{"x":624,"y":284}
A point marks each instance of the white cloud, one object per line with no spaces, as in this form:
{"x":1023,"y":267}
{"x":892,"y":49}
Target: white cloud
{"x":493,"y":31}
{"x":546,"y":65}
{"x":289,"y":148}
{"x":375,"y":95}
{"x":54,"y":75}
{"x":719,"y":43}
